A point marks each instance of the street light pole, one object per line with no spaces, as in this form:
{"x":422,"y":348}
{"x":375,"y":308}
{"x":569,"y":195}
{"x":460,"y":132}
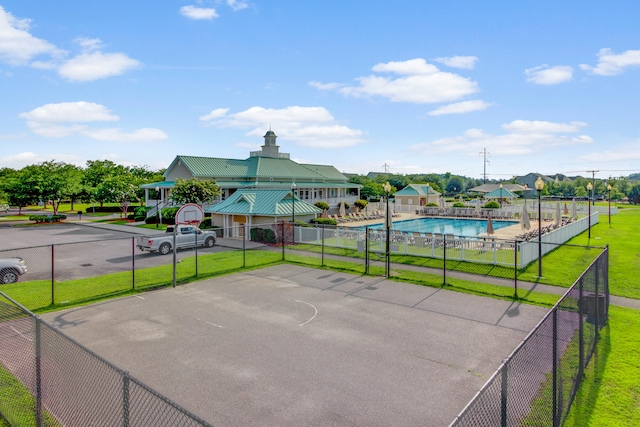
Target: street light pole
{"x":500,"y":195}
{"x":609,"y":197}
{"x":589,"y":189}
{"x":387,"y":189}
{"x":157,"y":203}
{"x":539,"y":188}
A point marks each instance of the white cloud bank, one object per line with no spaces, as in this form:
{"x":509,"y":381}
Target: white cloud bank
{"x":198,"y":13}
{"x":465,"y":62}
{"x":611,"y":64}
{"x":19,"y":48}
{"x":460,"y":108}
{"x":546,"y":75}
{"x":523,"y":137}
{"x":70,"y":118}
{"x":307,"y":126}
{"x":412,"y":81}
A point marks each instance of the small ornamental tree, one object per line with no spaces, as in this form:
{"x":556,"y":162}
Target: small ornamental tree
{"x":492,"y":205}
{"x":322,"y":205}
{"x":360,"y":204}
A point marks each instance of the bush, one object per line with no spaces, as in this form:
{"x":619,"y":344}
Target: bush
{"x":459,"y":205}
{"x":346,"y":205}
{"x":360,"y":204}
{"x":432,"y":204}
{"x":322,"y":205}
{"x":206,"y":223}
{"x":263,"y":235}
{"x":325,"y":221}
{"x":38,"y":219}
{"x":491,"y":205}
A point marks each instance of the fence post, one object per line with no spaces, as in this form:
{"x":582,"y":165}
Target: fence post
{"x":503,"y":396}
{"x":515,"y":268}
{"x":282,"y":240}
{"x":53,"y":275}
{"x":244,"y":245}
{"x":444,"y":260}
{"x":581,"y":331}
{"x":125,"y":399}
{"x":366,"y":250}
{"x":38,"y":373}
{"x":322,"y":246}
{"x":133,"y":263}
{"x":597,"y":301}
{"x":195,"y":234}
{"x":555,"y":369}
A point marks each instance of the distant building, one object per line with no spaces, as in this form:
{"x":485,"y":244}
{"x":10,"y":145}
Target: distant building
{"x":267,"y":168}
{"x":416,"y":195}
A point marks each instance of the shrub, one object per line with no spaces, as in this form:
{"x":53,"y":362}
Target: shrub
{"x":432,"y":204}
{"x":491,"y":205}
{"x":459,"y":205}
{"x":360,"y":204}
{"x":346,"y":205}
{"x":38,"y":219}
{"x":263,"y":235}
{"x":325,"y":221}
{"x":322,"y":205}
{"x":206,"y":223}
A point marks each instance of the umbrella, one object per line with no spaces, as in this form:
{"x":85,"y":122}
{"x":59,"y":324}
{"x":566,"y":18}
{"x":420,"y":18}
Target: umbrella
{"x":460,"y":200}
{"x":558,"y":215}
{"x":524,"y":218}
{"x":489,"y":226}
{"x":566,"y":211}
{"x":342,"y":210}
{"x":441,"y":200}
{"x":573,"y":209}
{"x":478,"y":207}
{"x":325,"y":214}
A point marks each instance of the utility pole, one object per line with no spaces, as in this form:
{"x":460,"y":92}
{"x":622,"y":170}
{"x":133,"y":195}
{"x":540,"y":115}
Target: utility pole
{"x":593,"y":183}
{"x":485,"y":153}
{"x":386,"y":168}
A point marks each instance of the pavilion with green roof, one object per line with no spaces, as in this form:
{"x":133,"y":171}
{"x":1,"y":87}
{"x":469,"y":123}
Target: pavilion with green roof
{"x":259,"y":206}
{"x":267,"y":168}
{"x":416,"y":195}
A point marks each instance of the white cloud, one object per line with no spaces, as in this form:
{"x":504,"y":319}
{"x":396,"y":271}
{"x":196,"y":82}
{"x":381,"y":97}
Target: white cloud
{"x":72,"y":112}
{"x":621,"y":154}
{"x":198,"y":13}
{"x":307,"y":126}
{"x":20,"y":160}
{"x":540,"y":126}
{"x":523,"y":137}
{"x":71,"y":118}
{"x":460,"y":108}
{"x":610,"y":64}
{"x":96,"y":65}
{"x":418,"y":82}
{"x":237,"y":4}
{"x":466,"y":62}
{"x":325,"y":86}
{"x":17,"y":45}
{"x":546,"y":75}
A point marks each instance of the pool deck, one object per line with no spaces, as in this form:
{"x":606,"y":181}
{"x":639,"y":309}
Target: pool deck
{"x":506,"y":233}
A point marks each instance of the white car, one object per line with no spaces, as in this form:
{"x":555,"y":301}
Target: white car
{"x":11,"y":269}
{"x":4,"y":207}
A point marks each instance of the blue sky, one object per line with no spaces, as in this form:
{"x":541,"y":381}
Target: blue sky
{"x":419,"y":86}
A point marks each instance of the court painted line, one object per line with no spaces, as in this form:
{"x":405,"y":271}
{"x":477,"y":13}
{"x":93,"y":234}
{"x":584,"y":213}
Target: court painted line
{"x":314,"y":315}
{"x":213,"y":324}
{"x":139,"y":297}
{"x":20,"y":333}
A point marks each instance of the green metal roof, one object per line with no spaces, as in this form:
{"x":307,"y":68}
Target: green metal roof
{"x":161,"y":184}
{"x":263,"y":202}
{"x":257,"y":168}
{"x":417,"y":190}
{"x":500,"y":194}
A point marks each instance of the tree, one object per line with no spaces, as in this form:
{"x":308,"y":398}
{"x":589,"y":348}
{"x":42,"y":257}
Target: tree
{"x":194,"y":191}
{"x":122,"y":189}
{"x":455,"y":184}
{"x":96,"y":172}
{"x":634,"y":193}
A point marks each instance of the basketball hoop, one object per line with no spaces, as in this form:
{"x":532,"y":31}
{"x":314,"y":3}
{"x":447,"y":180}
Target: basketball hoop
{"x":190,"y":214}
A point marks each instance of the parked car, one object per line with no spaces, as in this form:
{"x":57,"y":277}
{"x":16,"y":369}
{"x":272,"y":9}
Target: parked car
{"x":4,"y":207}
{"x":11,"y":269}
{"x":186,"y":237}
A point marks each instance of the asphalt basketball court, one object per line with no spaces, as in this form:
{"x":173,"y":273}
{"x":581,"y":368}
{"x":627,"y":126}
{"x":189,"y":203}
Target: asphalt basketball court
{"x":290,"y":346}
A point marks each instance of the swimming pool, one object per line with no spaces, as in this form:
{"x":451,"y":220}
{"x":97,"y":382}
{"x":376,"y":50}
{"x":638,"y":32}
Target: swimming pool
{"x":456,"y":226}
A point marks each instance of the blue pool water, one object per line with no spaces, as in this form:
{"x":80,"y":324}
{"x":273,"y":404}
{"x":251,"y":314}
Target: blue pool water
{"x":455,"y":226}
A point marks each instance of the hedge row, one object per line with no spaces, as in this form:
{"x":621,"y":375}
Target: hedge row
{"x":46,"y":218}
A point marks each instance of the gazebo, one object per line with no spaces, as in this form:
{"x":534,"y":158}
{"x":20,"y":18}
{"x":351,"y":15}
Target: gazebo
{"x":501,"y":195}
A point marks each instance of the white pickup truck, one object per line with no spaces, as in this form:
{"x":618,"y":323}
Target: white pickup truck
{"x":11,"y":269}
{"x":186,"y":236}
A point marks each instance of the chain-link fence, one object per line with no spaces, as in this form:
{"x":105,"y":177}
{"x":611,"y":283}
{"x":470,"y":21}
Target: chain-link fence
{"x":536,"y":384}
{"x":47,"y":379}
